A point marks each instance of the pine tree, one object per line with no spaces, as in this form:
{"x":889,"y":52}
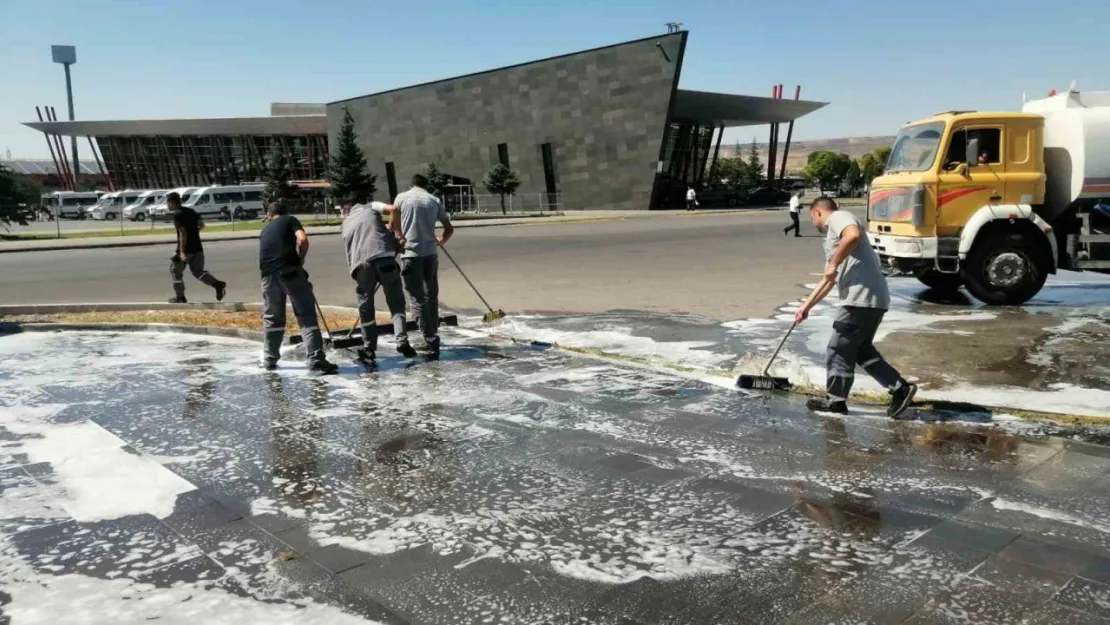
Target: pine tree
{"x":437,"y":180}
{"x":349,"y":172}
{"x":753,"y":169}
{"x":502,"y":181}
{"x":278,"y":187}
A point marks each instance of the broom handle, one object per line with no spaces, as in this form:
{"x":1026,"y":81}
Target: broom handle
{"x":322,"y":319}
{"x":779,"y":348}
{"x":474,"y":288}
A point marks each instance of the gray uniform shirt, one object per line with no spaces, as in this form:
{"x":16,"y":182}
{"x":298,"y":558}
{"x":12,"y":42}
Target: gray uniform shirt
{"x":420,"y":211}
{"x":860,"y":276}
{"x":366,"y":236}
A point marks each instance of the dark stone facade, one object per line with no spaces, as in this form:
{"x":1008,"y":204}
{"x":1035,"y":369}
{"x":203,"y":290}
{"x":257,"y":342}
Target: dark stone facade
{"x":603,"y":111}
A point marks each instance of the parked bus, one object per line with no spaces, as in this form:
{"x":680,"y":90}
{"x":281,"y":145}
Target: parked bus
{"x":226,"y":202}
{"x":139,"y":209}
{"x":70,"y":203}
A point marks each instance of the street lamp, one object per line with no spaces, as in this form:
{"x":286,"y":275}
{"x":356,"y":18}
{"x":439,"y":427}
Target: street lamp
{"x":67,"y":55}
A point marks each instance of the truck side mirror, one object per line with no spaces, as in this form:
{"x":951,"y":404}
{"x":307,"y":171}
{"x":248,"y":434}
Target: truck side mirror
{"x":972,"y":156}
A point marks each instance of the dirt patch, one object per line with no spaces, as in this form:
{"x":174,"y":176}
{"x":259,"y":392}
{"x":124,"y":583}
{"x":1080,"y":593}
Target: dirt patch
{"x":339,"y":322}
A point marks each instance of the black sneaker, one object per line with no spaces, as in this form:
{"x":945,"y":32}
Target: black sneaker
{"x":900,"y":399}
{"x":323,"y":367}
{"x":824,"y":404}
{"x":433,"y":346}
{"x":366,"y":356}
{"x":269,"y":365}
{"x":178,"y":300}
{"x":405,"y":349}
{"x":221,"y":290}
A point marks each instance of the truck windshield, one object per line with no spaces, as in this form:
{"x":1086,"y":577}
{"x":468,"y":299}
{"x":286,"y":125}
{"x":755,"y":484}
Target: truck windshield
{"x":915,"y":147}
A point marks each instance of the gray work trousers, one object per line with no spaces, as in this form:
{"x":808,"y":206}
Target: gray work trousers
{"x":275,"y":288}
{"x":387,"y":273}
{"x":851,"y":344}
{"x":195,"y":263}
{"x":420,"y":275}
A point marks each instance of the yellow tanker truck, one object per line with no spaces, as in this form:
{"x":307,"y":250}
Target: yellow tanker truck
{"x":997,"y":201}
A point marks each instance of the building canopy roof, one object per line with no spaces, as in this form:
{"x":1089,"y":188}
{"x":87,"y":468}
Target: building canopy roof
{"x":228,"y":126}
{"x":717,"y":109}
{"x":45,"y":166}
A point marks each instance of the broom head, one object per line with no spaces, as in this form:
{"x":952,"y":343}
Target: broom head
{"x":763,"y":382}
{"x":493,"y":315}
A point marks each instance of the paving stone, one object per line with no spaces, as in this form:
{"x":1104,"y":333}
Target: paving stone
{"x":1086,"y":596}
{"x":1052,"y":613}
{"x":974,"y":536}
{"x":1047,"y":555}
{"x":196,"y":512}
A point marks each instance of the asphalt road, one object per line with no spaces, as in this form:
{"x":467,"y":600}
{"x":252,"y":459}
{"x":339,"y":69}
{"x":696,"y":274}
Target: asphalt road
{"x":723,"y":266}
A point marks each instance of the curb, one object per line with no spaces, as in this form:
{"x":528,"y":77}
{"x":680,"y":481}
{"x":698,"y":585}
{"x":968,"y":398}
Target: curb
{"x":13,"y":327}
{"x":253,"y":234}
{"x":54,"y":309}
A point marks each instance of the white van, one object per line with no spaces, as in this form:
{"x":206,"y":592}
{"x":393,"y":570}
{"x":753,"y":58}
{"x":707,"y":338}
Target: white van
{"x":70,"y":203}
{"x":161,"y":210}
{"x":139,"y":209}
{"x":111,"y":205}
{"x":241,"y":201}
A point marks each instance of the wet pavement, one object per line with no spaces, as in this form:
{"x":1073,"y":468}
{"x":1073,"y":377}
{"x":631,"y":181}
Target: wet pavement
{"x":159,"y":477}
{"x":1051,"y":355}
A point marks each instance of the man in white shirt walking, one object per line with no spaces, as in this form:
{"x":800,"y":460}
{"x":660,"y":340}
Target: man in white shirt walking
{"x":691,"y":199}
{"x":795,"y":206}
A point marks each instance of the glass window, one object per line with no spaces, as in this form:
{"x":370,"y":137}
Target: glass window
{"x":915,"y":147}
{"x":253,"y":196}
{"x":220,"y":198}
{"x":204,"y":199}
{"x":990,"y":146}
{"x":235,"y":197}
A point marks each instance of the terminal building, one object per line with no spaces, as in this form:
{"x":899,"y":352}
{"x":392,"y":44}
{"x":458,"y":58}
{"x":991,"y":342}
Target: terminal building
{"x":607,"y":128}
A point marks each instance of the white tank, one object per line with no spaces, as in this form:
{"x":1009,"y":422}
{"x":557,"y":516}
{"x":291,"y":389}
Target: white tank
{"x":1076,"y":147}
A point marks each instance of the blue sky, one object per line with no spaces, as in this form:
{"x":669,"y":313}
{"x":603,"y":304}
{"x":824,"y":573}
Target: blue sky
{"x":879,"y":63}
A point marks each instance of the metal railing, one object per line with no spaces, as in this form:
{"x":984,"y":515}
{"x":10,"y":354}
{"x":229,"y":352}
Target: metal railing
{"x":516,"y":204}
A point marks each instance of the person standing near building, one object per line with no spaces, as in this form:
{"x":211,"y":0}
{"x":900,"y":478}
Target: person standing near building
{"x":795,"y":207}
{"x":419,"y":212}
{"x":282,"y":247}
{"x":864,"y":298}
{"x":372,"y":248}
{"x":189,"y":252}
{"x":691,"y":198}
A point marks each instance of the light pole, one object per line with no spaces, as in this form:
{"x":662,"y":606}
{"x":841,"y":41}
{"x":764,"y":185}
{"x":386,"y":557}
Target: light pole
{"x":67,"y":55}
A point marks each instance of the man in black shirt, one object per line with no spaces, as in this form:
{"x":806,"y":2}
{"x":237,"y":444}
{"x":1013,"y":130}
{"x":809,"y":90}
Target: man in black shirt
{"x":189,"y":252}
{"x":282,"y":247}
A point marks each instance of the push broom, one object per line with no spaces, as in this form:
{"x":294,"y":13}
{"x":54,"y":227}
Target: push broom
{"x":765,"y":381}
{"x":492,"y":315}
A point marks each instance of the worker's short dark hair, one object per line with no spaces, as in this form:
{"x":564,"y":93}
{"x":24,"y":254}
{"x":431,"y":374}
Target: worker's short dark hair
{"x":420,"y":181}
{"x":173,"y":196}
{"x":824,"y":202}
{"x":355,"y":197}
{"x":276,"y":209}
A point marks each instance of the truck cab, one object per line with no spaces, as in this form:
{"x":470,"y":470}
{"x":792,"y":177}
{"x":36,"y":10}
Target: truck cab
{"x":957,"y":205}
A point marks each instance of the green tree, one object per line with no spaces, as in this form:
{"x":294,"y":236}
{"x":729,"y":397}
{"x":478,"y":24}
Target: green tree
{"x":853,"y":179}
{"x":278,"y":187}
{"x":437,"y":180}
{"x":349,"y":172}
{"x":502,"y":181}
{"x":873,"y":163}
{"x":827,"y":169}
{"x":17,"y":195}
{"x":730,"y":170}
{"x":752,"y":173}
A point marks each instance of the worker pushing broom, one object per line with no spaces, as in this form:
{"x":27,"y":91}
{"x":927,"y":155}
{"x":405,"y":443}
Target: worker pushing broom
{"x":853,"y":266}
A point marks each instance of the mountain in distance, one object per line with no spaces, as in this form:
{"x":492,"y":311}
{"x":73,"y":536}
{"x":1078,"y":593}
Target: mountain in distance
{"x":800,"y":150}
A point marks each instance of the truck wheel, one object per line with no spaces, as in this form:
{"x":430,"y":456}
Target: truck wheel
{"x":1002,"y":270}
{"x":140,"y":217}
{"x":946,"y":282}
